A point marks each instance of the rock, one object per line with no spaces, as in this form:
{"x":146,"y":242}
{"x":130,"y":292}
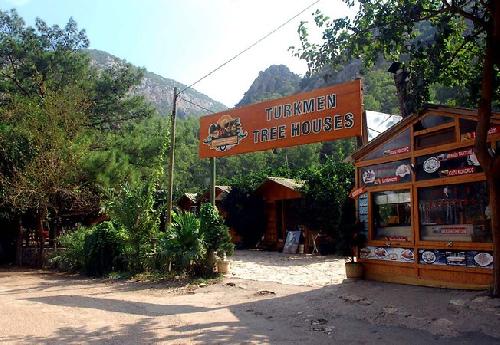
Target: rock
{"x":480,"y":299}
{"x":319,"y":322}
{"x":390,"y":310}
{"x":231,"y":284}
{"x":201,"y":285}
{"x":443,"y":323}
{"x":265,"y":293}
{"x":352,"y":298}
{"x":457,"y":302}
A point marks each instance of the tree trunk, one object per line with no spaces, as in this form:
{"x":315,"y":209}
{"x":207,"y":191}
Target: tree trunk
{"x":490,"y":164}
{"x":494,"y":188}
{"x":40,"y":217}
{"x":19,"y":244}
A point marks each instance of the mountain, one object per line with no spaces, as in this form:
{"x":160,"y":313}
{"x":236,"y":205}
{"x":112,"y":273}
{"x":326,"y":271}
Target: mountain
{"x":159,"y":90}
{"x":276,"y":81}
{"x":379,"y":90}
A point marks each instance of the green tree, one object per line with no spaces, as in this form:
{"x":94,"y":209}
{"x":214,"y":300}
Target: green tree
{"x":450,"y":43}
{"x":52,"y":103}
{"x":326,"y":191}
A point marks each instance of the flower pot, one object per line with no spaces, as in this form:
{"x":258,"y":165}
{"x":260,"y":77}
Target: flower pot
{"x":354,"y":270}
{"x":223,"y":267}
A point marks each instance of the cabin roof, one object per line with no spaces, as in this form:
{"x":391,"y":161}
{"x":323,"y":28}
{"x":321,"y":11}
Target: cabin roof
{"x":287,"y":182}
{"x":429,"y":109}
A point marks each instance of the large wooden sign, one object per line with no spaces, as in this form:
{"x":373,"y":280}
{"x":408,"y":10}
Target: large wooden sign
{"x":320,"y":115}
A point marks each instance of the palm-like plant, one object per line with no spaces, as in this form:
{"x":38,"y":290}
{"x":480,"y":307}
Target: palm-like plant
{"x":182,"y":244}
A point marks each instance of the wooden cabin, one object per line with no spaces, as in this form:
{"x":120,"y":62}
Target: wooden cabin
{"x":282,"y":198}
{"x":188,"y":202}
{"x":422,"y":198}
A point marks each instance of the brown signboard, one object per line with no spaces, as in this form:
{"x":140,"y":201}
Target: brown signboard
{"x":320,"y":115}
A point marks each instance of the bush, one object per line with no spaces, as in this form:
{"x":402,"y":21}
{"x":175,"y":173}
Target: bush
{"x":134,"y":209}
{"x":214,"y":231}
{"x":71,"y":256}
{"x":96,"y":251}
{"x":104,"y":250}
{"x":182,"y":244}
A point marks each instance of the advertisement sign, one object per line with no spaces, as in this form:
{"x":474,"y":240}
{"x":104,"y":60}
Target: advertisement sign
{"x":388,"y":254}
{"x":363,"y":212}
{"x":442,"y":257}
{"x":392,"y":172}
{"x":356,"y":192}
{"x":455,"y":163}
{"x":320,"y":115}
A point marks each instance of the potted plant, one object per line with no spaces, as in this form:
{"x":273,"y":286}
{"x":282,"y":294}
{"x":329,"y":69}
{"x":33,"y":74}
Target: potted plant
{"x":349,"y":240}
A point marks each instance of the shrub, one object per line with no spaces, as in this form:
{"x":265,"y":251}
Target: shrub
{"x":104,"y":249}
{"x":134,"y":209}
{"x":71,"y":256}
{"x":215,"y":232}
{"x":182,"y":244}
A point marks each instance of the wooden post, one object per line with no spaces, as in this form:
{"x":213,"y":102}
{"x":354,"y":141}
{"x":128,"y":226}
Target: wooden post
{"x":212,"y":180}
{"x":171,"y":167}
{"x":19,"y":244}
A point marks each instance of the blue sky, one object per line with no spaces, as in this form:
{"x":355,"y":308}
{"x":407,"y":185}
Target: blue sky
{"x":185,"y":39}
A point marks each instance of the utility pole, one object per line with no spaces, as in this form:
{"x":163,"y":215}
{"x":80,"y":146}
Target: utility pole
{"x":171,"y":167}
{"x":212,"y":181}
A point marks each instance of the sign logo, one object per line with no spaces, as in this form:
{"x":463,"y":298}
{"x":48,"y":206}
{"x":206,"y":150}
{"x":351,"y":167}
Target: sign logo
{"x":225,"y":133}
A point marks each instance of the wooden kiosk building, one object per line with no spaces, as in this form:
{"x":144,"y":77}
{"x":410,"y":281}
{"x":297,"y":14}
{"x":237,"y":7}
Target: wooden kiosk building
{"x":423,"y":201}
{"x":282,"y":197}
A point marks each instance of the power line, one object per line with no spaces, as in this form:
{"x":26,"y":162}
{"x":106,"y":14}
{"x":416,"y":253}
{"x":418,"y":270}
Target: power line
{"x":195,"y":104}
{"x":375,"y":130}
{"x":387,"y":119}
{"x":250,"y":46}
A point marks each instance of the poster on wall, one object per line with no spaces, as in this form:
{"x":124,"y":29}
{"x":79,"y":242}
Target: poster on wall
{"x":319,"y":115}
{"x":443,"y":257}
{"x":454,"y":163}
{"x":392,"y":172}
{"x":388,"y":254}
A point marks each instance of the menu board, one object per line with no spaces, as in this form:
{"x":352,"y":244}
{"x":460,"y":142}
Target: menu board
{"x":387,"y":173}
{"x":454,"y":163}
{"x":387,"y":254}
{"x":363,"y":212}
{"x":470,"y":258}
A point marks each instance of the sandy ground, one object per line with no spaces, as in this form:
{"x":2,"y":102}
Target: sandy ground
{"x":287,"y":269}
{"x":38,"y":307}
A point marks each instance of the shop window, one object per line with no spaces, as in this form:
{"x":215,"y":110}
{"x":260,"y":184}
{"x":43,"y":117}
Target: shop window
{"x":392,"y":215}
{"x":455,"y":213}
{"x":431,"y":121}
{"x":441,"y":137}
{"x":398,"y":145}
{"x":444,"y":164}
{"x":387,"y":173}
{"x":468,"y":129}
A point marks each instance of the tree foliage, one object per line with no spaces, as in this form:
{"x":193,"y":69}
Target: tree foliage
{"x":55,"y":109}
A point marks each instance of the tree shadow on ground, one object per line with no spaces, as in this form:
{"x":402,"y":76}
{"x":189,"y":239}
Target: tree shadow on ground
{"x":140,"y":332}
{"x":118,"y":306}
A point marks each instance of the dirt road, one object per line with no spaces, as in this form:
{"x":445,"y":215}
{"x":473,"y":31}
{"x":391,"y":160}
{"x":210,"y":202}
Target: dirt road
{"x":47,"y":308}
